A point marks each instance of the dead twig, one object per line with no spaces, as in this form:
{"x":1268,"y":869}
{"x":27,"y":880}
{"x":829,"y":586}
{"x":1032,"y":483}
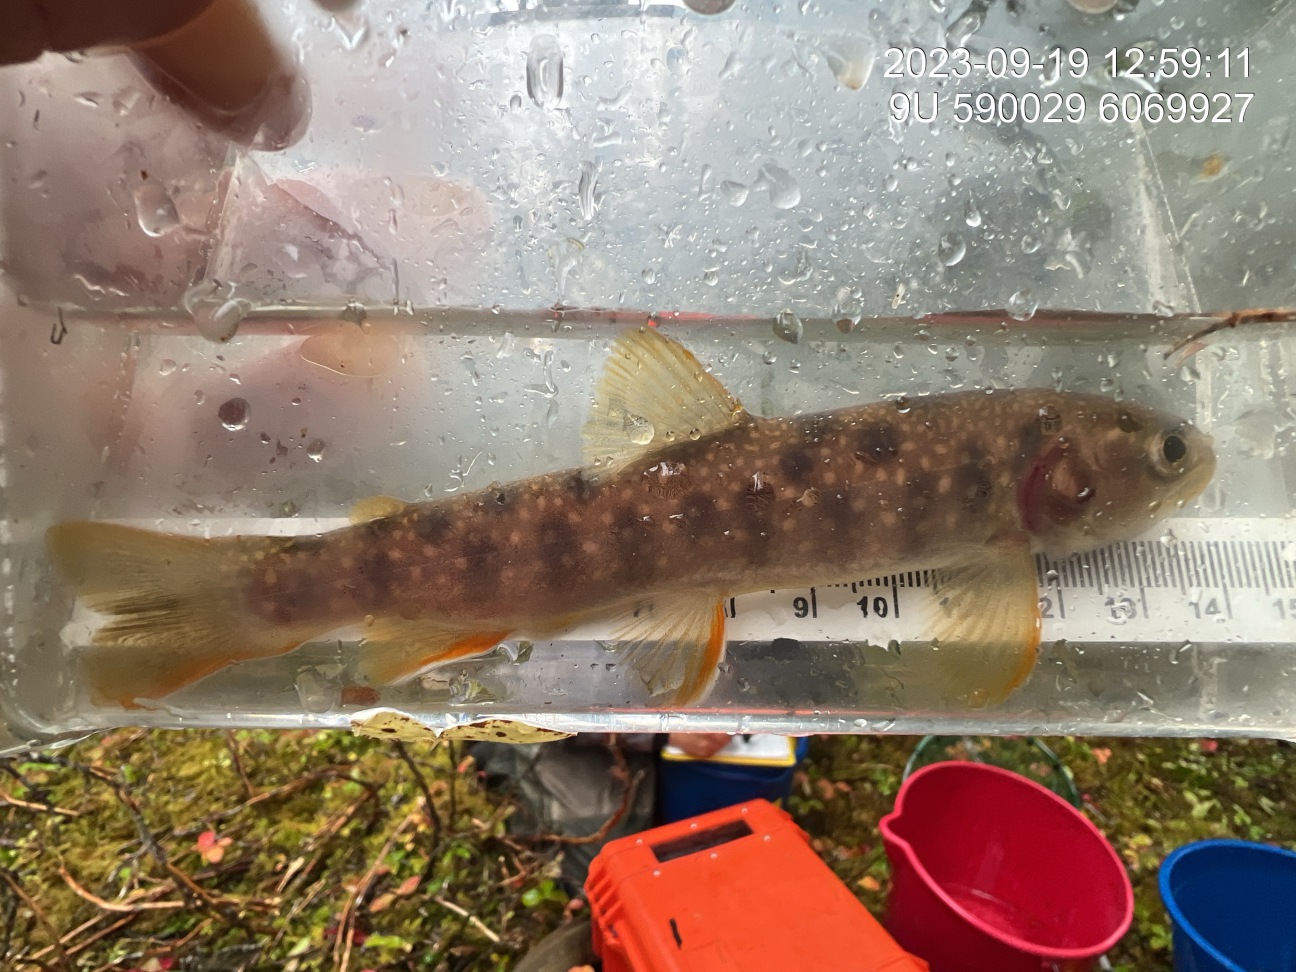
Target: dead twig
{"x":1261,"y":315}
{"x":452,"y":790}
{"x":15,"y":885}
{"x":13,"y":801}
{"x":472,"y":919}
{"x":294,"y":786}
{"x":318,"y":841}
{"x":232,"y":744}
{"x":81,"y":946}
{"x":434,"y":818}
{"x":620,"y":770}
{"x":126,"y":907}
{"x":345,"y":940}
{"x":195,"y":895}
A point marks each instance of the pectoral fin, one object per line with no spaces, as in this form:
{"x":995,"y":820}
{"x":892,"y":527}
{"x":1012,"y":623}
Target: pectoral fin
{"x":676,"y":645}
{"x":986,"y":627}
{"x":397,"y":648}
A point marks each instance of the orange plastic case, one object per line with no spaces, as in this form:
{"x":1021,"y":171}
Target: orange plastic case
{"x":735,"y":890}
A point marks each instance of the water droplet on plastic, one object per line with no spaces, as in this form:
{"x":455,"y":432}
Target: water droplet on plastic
{"x":860,"y":723}
{"x":784,"y":192}
{"x":315,"y":692}
{"x":1257,"y":431}
{"x":166,"y":366}
{"x":234,"y":413}
{"x":850,"y":60}
{"x":544,"y":71}
{"x":353,"y":30}
{"x":951,"y":249}
{"x":315,"y":449}
{"x":734,"y":193}
{"x":709,"y":6}
{"x":586,"y":189}
{"x":961,"y":30}
{"x":972,"y":215}
{"x":1161,"y":309}
{"x":788,"y":327}
{"x":638,"y":429}
{"x":1022,"y":305}
{"x":710,"y":278}
{"x":903,"y":405}
{"x":1030,"y":243}
{"x":649,"y":275}
{"x":219,"y":322}
{"x":155,"y":211}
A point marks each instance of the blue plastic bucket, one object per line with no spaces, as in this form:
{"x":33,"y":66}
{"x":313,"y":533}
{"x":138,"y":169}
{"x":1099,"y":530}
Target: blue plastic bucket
{"x":1233,"y":906}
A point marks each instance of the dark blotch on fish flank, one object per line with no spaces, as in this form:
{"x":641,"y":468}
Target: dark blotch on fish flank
{"x":877,"y":444}
{"x":838,"y":506}
{"x":375,"y":578}
{"x":556,"y":544}
{"x":796,"y":464}
{"x":579,"y":487}
{"x":431,"y":526}
{"x":698,"y":506}
{"x":482,"y":559}
{"x":634,"y":555}
{"x":920,"y":487}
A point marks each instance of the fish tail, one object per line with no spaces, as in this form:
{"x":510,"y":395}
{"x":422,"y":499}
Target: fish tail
{"x":177,"y":608}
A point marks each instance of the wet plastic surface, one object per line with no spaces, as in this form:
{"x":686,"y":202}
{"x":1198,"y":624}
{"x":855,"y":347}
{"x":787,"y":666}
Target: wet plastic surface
{"x":751,"y":178}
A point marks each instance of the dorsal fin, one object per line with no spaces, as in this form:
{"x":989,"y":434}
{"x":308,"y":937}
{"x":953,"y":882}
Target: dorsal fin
{"x":376,"y":507}
{"x":653,"y":392}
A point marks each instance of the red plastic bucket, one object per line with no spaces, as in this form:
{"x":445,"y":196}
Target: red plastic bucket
{"x":991,"y":872}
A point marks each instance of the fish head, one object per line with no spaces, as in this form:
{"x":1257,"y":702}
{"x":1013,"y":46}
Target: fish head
{"x":1104,"y":471}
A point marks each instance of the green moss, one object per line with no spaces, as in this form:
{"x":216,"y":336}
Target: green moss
{"x":329,"y":825}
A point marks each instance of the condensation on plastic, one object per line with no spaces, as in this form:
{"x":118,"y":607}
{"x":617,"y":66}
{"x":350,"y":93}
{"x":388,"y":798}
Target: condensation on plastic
{"x":740,"y":166}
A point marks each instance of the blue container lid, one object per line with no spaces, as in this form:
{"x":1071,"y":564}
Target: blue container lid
{"x":1234,"y":901}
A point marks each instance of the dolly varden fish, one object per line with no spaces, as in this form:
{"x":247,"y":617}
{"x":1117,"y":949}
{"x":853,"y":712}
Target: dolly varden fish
{"x":685,"y":499}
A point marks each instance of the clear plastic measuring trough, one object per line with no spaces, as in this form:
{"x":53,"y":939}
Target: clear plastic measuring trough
{"x":747,"y":177}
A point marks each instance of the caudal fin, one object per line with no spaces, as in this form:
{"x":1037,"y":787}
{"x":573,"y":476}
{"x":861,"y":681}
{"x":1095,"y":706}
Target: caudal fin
{"x":176,"y":606}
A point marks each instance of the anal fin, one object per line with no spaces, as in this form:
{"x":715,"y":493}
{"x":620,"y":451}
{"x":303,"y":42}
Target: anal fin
{"x":397,"y":648}
{"x":676,"y":645}
{"x":987,"y":626}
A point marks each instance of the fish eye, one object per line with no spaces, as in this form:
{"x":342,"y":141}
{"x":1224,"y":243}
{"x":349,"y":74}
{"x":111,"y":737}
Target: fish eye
{"x":1168,"y":452}
{"x":1173,"y":448}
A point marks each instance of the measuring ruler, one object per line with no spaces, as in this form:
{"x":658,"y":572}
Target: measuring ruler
{"x":1204,"y":580}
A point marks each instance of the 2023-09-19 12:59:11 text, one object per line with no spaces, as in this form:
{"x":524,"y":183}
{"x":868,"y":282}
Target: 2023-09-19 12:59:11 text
{"x":1019,"y":63}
